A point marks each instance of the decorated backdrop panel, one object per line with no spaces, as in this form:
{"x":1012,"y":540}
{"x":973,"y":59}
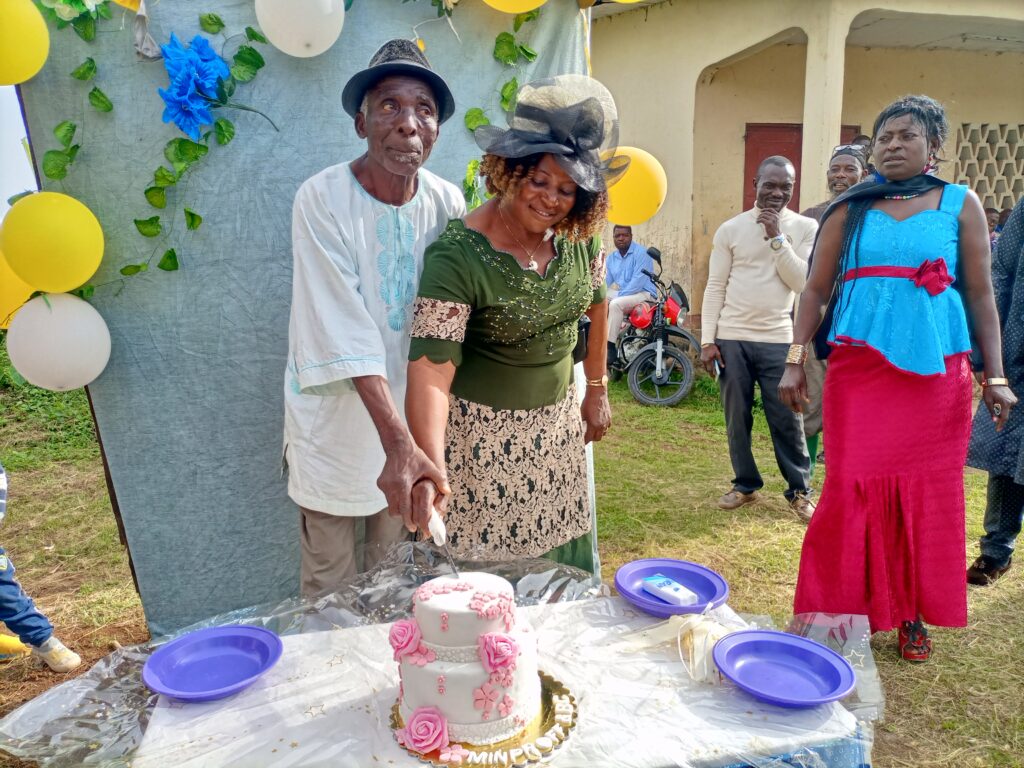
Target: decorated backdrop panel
{"x":190,"y":407}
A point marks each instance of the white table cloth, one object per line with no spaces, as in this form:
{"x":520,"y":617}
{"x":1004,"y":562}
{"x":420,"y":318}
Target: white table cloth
{"x":327,"y":703}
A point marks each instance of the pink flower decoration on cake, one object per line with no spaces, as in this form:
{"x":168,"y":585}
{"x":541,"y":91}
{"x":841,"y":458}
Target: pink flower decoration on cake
{"x":485,"y":697}
{"x":422,"y":656}
{"x":497,"y":651}
{"x":502,"y":677}
{"x":454,"y":753}
{"x":426,"y":730}
{"x":505,"y":708}
{"x":404,"y":637}
{"x":400,"y":736}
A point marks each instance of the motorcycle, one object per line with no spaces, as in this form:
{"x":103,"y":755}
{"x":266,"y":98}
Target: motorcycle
{"x":652,"y":349}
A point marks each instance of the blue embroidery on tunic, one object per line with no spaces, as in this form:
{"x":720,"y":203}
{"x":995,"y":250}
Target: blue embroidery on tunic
{"x":396,"y":265}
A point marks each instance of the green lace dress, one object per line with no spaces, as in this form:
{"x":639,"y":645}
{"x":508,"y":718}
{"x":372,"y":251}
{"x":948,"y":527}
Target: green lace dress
{"x":514,"y":441}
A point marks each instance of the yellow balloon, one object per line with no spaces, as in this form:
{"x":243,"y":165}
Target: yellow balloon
{"x":515,"y":6}
{"x":52,"y":241}
{"x":13,"y":292}
{"x":640,"y":192}
{"x":24,"y":41}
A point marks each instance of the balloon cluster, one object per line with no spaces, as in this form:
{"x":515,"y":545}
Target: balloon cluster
{"x":52,"y":243}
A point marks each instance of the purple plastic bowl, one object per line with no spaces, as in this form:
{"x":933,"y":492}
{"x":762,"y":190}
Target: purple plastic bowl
{"x":708,"y":585}
{"x":211,"y":663}
{"x":784,"y":669}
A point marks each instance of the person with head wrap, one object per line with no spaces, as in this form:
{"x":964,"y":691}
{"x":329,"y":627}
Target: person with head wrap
{"x":889,"y":528}
{"x":846,"y":168}
{"x":492,"y":395}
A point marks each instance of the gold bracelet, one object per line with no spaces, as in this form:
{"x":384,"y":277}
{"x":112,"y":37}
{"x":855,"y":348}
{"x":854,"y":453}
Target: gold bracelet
{"x":996,"y":381}
{"x":797,"y":354}
{"x":602,"y":382}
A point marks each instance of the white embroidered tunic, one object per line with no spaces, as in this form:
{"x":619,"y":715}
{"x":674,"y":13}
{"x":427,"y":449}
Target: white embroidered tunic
{"x":357,"y":263}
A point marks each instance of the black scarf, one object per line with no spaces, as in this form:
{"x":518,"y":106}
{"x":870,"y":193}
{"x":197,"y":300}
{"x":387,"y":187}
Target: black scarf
{"x":872,"y":188}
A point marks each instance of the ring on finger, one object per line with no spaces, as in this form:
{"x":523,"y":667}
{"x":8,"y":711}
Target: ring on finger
{"x":997,"y":409}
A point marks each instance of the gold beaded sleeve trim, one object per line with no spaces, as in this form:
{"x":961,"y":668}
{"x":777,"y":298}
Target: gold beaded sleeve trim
{"x":598,"y":270}
{"x":437,"y":319}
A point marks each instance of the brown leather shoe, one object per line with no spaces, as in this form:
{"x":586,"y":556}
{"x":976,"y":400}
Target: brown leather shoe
{"x":802,"y":505}
{"x":735,"y":499}
{"x":983,"y":572}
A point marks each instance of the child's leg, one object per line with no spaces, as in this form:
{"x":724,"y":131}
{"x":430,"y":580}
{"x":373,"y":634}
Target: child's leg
{"x":18,"y":611}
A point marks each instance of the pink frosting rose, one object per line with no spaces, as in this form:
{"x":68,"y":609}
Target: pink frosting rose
{"x":426,"y":730}
{"x":497,"y":651}
{"x":404,"y":637}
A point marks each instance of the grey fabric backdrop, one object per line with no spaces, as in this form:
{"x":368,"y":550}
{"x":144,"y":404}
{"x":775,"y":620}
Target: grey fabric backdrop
{"x":189,"y":408}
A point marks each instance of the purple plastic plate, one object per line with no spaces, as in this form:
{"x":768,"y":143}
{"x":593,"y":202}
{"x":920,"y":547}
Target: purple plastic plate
{"x":709,"y":586}
{"x":211,"y":663}
{"x":784,"y":669}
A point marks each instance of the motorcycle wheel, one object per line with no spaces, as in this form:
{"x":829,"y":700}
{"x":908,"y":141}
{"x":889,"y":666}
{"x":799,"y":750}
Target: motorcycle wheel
{"x":675,"y":382}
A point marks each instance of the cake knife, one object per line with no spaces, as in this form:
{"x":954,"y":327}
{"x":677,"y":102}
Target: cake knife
{"x":440,"y":535}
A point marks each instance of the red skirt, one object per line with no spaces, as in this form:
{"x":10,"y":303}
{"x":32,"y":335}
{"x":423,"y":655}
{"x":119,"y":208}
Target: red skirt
{"x":887,"y":537}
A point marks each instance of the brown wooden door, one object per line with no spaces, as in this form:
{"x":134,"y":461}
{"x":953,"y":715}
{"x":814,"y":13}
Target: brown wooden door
{"x":786,"y":139}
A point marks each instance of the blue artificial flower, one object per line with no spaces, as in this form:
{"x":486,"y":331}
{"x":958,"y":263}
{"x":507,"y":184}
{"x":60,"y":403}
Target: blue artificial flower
{"x":193,"y":73}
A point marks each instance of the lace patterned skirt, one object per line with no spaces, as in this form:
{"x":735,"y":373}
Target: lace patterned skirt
{"x":518,"y":479}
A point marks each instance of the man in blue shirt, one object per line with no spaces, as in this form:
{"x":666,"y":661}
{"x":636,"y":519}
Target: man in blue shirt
{"x":627,"y":284}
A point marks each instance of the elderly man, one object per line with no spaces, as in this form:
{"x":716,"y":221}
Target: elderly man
{"x":758,"y":266}
{"x":359,"y":230}
{"x":847,"y":166}
{"x":627,"y":284}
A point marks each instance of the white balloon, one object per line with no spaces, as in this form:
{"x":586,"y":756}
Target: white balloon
{"x":59,"y":342}
{"x":301,"y":28}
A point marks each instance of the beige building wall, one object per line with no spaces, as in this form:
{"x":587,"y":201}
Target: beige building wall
{"x":654,"y":59}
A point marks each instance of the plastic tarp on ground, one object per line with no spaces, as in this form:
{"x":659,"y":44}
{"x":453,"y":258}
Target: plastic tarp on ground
{"x":190,"y":406}
{"x":328,"y":699}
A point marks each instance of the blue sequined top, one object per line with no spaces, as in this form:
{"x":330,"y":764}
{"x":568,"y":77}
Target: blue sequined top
{"x":913,"y":329}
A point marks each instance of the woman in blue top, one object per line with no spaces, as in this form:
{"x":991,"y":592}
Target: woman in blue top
{"x":887,"y":538}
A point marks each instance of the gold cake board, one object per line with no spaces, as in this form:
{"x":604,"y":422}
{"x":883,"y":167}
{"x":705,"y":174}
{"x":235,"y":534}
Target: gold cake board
{"x":536,"y":743}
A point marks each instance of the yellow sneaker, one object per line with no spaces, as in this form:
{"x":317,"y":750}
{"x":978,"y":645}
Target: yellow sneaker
{"x":57,"y":656}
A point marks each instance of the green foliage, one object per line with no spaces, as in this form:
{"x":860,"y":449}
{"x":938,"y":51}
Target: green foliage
{"x":505,"y":49}
{"x":55,"y":164}
{"x":475,"y":117}
{"x":100,"y":101}
{"x":254,"y":35}
{"x":162,"y":177}
{"x":508,"y":94}
{"x":15,"y":198}
{"x":471,"y":186}
{"x":184,"y":152}
{"x":133,"y":269}
{"x":65,"y":133}
{"x":157,"y":196}
{"x":150,"y":227}
{"x":169,"y":261}
{"x":84,"y":292}
{"x":527,"y":52}
{"x":211,"y":23}
{"x":522,"y":18}
{"x":247,"y":62}
{"x":85,"y":28}
{"x":85,"y":71}
{"x":224,"y":130}
{"x":192,"y":219}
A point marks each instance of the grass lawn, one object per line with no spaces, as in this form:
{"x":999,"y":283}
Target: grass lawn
{"x":659,"y":472}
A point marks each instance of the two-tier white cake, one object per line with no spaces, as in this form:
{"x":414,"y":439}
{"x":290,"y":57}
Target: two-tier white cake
{"x":468,"y":670}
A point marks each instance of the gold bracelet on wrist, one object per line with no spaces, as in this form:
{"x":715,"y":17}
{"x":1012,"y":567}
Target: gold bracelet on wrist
{"x":797,"y":354}
{"x":602,"y":382}
{"x":995,"y":381}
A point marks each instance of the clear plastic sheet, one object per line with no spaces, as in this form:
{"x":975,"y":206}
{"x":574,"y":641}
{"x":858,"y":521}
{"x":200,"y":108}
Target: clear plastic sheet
{"x":99,"y":717}
{"x":327,"y":702}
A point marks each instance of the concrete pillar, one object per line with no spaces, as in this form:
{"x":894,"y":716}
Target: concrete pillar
{"x":823,"y":97}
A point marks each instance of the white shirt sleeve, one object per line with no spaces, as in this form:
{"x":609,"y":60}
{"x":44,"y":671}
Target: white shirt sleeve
{"x":719,"y":268}
{"x":333,"y":336}
{"x":791,"y":260}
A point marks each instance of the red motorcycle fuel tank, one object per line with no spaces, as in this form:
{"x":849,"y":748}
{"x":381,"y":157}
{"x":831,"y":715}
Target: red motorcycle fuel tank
{"x":642,"y":315}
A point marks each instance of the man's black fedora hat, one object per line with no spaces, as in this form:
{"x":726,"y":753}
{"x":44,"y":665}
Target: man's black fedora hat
{"x":397,"y":57}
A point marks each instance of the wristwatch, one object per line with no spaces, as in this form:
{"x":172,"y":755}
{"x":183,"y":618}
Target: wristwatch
{"x":777,"y":242}
{"x":602,"y":382}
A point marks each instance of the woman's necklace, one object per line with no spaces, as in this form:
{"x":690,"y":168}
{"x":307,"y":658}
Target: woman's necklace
{"x":902,"y":197}
{"x":532,"y":263}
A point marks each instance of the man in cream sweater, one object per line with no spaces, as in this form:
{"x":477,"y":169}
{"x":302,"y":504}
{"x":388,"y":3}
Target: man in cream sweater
{"x":758,"y":267}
